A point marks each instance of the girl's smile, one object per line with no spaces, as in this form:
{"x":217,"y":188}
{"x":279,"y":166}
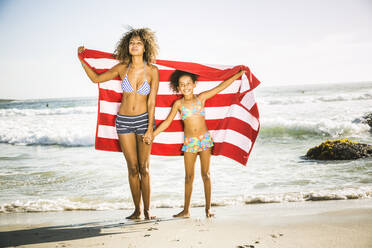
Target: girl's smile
{"x":186,"y":85}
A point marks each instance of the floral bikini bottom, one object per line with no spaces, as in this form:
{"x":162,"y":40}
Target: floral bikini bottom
{"x":197,"y":144}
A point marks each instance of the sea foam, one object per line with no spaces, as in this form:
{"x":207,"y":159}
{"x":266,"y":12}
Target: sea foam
{"x":47,"y":111}
{"x":66,"y":204}
{"x":279,"y":126}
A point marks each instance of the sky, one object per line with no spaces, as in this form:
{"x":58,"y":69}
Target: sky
{"x":283,"y":42}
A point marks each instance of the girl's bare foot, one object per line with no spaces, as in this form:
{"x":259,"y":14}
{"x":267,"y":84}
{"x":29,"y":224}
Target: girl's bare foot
{"x":135,"y":216}
{"x":208,"y":213}
{"x":148,"y":216}
{"x":182,"y":214}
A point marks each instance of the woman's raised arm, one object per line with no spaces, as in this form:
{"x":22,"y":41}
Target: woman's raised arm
{"x":99,"y":78}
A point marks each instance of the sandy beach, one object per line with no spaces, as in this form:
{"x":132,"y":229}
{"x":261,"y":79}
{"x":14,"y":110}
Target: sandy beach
{"x":302,"y":224}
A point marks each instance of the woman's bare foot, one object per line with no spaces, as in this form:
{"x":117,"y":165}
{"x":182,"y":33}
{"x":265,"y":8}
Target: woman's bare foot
{"x":135,"y":216}
{"x":148,"y":216}
{"x":208,"y":213}
{"x":182,"y":214}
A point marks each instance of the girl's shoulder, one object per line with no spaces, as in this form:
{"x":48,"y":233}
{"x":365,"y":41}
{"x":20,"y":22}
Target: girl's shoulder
{"x":200,"y":98}
{"x":178,"y":103}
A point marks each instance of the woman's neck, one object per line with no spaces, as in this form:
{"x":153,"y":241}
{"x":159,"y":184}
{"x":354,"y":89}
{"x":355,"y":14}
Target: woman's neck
{"x":137,"y":61}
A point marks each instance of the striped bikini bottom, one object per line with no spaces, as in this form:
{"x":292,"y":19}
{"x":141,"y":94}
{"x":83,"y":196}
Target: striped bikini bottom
{"x":132,"y":124}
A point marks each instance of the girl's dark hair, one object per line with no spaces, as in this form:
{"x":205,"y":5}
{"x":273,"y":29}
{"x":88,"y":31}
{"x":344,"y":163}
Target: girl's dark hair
{"x":149,"y":41}
{"x":176,"y":76}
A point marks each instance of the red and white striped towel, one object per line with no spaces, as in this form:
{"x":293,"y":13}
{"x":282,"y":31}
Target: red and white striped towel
{"x":232,"y":116}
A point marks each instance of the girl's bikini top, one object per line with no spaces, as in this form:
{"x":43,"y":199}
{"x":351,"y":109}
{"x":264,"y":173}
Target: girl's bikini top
{"x":127,"y":87}
{"x":197,"y":109}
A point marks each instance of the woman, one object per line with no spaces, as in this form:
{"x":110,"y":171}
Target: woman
{"x":135,"y":120}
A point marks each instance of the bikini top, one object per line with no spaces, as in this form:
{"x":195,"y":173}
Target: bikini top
{"x":127,"y":87}
{"x":197,"y":109}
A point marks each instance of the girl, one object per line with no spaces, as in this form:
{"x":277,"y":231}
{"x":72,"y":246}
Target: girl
{"x":135,"y":120}
{"x":197,"y":138}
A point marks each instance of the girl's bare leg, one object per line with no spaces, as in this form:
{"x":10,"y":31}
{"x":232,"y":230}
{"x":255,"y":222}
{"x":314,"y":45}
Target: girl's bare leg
{"x":205,"y":159}
{"x":144,"y":169}
{"x":189,"y":160}
{"x":128,"y":144}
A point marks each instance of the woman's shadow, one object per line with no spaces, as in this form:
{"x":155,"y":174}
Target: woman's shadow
{"x":69,"y":232}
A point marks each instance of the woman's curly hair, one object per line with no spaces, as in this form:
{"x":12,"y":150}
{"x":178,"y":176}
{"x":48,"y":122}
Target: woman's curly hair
{"x":176,"y":76}
{"x":149,"y":40}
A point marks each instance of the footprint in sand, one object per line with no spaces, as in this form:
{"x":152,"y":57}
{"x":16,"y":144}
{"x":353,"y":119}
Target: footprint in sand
{"x":276,"y":235}
{"x":62,"y":245}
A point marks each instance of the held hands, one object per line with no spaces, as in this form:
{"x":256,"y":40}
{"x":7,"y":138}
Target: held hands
{"x":148,"y":137}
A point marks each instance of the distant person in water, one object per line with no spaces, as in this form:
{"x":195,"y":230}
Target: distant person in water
{"x":135,"y":119}
{"x":198,"y":140}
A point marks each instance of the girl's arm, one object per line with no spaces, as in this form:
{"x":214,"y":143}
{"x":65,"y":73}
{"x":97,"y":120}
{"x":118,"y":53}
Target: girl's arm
{"x":165,"y":124}
{"x":212,"y":92}
{"x":99,"y":78}
{"x":151,"y":101}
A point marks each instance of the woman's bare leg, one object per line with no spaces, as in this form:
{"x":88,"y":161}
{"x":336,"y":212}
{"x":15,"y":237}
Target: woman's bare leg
{"x":189,"y":160}
{"x":144,"y":169}
{"x":128,"y":144}
{"x":205,"y":159}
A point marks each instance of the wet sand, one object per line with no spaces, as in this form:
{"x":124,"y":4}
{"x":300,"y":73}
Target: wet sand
{"x":306,"y":224}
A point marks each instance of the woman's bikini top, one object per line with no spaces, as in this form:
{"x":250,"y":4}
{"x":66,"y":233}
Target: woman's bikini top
{"x":196,"y":110}
{"x":127,"y":87}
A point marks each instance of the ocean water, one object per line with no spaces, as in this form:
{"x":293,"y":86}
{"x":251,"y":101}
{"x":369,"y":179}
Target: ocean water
{"x":48,"y":161}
